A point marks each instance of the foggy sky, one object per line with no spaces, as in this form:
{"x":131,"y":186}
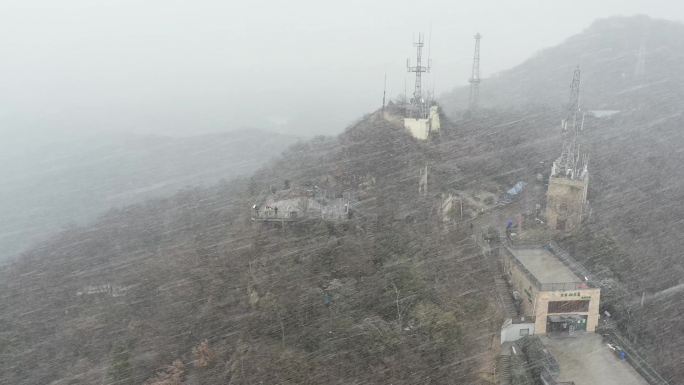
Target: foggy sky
{"x":306,"y":67}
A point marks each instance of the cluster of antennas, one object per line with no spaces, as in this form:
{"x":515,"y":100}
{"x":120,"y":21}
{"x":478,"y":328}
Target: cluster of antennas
{"x":572,"y":163}
{"x":418,"y":106}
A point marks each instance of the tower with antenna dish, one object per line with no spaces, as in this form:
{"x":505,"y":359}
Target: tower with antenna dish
{"x":421,"y":117}
{"x":475,"y":76}
{"x":419,"y":106}
{"x":566,"y":198}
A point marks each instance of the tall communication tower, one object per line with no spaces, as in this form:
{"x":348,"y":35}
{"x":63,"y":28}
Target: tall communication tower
{"x":566,"y":196}
{"x":475,"y":76}
{"x":420,"y":108}
{"x":571,"y":163}
{"x":572,"y":108}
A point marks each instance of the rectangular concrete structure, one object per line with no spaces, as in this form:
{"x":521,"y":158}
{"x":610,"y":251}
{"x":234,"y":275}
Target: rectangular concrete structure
{"x":550,"y":292}
{"x":545,"y":266}
{"x":515,"y":329}
{"x":423,"y":128}
{"x":566,"y":201}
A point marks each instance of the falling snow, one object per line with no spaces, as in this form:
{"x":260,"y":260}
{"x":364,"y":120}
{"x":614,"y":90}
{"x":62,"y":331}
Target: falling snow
{"x":369,"y":257}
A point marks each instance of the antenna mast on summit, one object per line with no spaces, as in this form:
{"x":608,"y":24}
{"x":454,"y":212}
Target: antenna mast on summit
{"x":573,"y":102}
{"x":475,"y":75}
{"x":417,"y":101}
{"x":567,"y":164}
{"x":566,"y":196}
{"x":384,"y":93}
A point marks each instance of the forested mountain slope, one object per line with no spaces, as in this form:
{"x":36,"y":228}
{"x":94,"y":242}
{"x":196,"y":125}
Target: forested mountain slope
{"x":388,"y":296}
{"x":636,"y":176}
{"x":626,"y":62}
{"x":393,"y":295}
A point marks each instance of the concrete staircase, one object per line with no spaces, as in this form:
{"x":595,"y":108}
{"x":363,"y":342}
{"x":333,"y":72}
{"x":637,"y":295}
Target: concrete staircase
{"x":503,"y":290}
{"x":505,"y":299}
{"x":503,"y":369}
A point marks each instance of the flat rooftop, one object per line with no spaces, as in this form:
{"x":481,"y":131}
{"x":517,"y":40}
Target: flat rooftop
{"x":545,"y":266}
{"x":587,"y":360}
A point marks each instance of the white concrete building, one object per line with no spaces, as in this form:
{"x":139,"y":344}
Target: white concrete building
{"x":423,"y":128}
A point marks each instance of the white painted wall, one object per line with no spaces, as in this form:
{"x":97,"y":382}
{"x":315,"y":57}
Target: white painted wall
{"x":511,"y":332}
{"x":417,"y":127}
{"x":423,"y":128}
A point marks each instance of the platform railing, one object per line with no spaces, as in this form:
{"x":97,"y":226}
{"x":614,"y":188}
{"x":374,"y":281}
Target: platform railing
{"x":632,"y":356}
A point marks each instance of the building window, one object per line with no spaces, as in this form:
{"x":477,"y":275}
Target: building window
{"x":568,"y":307}
{"x":524,"y":332}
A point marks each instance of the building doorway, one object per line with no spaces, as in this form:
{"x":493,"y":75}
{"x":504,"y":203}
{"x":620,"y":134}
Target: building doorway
{"x":566,"y":324}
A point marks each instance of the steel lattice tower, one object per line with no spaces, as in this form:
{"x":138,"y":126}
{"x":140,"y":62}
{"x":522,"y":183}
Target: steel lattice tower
{"x":475,"y":75}
{"x":571,"y":163}
{"x":420,"y":108}
{"x":566,"y":197}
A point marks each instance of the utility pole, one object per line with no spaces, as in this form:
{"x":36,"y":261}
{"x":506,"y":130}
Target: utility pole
{"x":384,"y":94}
{"x":406,"y":101}
{"x":420,"y":109}
{"x":423,"y":181}
{"x":475,"y":75}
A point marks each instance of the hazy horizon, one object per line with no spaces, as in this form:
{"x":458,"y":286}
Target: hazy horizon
{"x":187,"y":68}
{"x":207,"y":192}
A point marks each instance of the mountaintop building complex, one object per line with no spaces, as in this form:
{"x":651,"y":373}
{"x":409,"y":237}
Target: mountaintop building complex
{"x":552,"y":297}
